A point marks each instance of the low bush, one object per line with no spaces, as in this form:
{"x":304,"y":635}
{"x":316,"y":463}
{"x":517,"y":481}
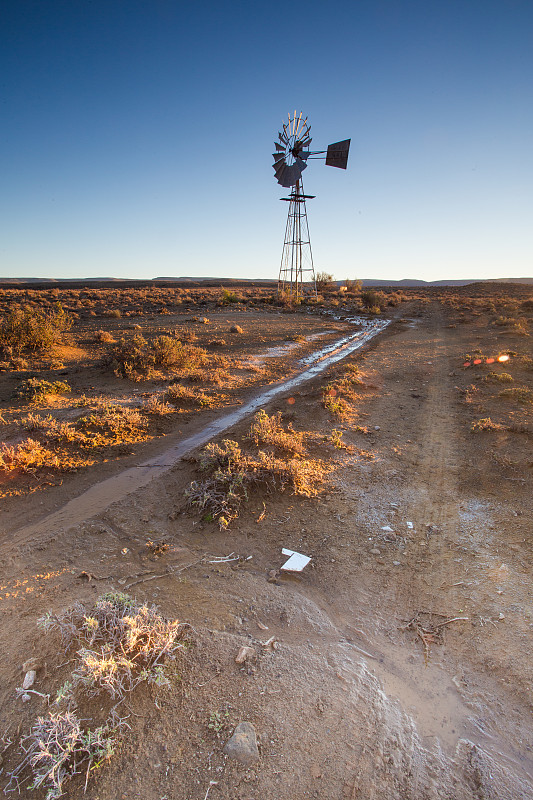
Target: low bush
{"x":498,"y":377}
{"x":232,"y":474}
{"x":182,"y":396}
{"x":486,"y":424}
{"x":35,"y":389}
{"x":519,"y":395}
{"x":27,"y":330}
{"x":138,"y":359}
{"x":119,"y":644}
{"x":270,"y":431}
{"x":103,"y":336}
{"x":26,"y":457}
{"x":113,"y":424}
{"x":57,"y":748}
{"x":227,"y":298}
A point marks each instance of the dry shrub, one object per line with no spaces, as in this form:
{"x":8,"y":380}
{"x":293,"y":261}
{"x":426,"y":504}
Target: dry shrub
{"x":26,"y":456}
{"x":153,"y":405}
{"x":56,"y":748}
{"x":34,"y":390}
{"x":486,"y":424}
{"x":120,"y":642}
{"x":519,"y":395}
{"x":498,"y":377}
{"x":269,"y":430}
{"x":113,"y":424}
{"x":232,"y":474}
{"x":103,"y":336}
{"x":138,"y":359}
{"x":333,"y":402}
{"x":216,"y":377}
{"x":25,"y":329}
{"x":186,"y":335}
{"x":182,"y":396}
{"x":53,"y":429}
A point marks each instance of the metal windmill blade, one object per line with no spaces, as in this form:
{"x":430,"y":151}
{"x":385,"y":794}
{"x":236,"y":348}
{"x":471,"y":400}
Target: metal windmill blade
{"x":291,"y":156}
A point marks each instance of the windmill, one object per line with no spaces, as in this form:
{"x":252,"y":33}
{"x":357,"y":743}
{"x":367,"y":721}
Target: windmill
{"x":290,"y":160}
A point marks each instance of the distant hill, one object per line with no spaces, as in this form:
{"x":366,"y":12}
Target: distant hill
{"x":162,"y":281}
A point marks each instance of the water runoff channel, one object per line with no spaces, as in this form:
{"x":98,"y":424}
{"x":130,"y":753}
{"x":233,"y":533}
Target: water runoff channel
{"x":102,"y":495}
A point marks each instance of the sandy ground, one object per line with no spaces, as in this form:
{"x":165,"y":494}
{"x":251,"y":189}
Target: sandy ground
{"x":426,"y":526}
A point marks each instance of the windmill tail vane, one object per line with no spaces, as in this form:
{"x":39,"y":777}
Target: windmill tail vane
{"x":297,"y":272}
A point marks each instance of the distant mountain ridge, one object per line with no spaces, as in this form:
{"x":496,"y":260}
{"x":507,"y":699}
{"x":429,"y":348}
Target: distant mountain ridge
{"x":404,"y":283}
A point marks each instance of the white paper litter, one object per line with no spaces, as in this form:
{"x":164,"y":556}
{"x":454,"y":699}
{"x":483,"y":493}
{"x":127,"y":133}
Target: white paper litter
{"x":296,"y":562}
{"x":409,"y":525}
{"x":387,"y":528}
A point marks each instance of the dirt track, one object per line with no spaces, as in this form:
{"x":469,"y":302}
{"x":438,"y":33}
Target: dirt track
{"x":351,"y":704}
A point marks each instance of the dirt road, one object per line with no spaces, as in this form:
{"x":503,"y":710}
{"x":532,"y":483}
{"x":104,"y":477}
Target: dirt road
{"x":401,"y":669}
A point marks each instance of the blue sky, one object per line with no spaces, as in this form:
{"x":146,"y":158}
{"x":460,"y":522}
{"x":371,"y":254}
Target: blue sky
{"x":136,"y":137}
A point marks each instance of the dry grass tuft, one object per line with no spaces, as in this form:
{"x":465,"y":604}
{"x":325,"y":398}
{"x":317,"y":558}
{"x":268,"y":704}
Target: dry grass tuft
{"x":486,"y":424}
{"x":522,"y":395}
{"x":269,"y":430}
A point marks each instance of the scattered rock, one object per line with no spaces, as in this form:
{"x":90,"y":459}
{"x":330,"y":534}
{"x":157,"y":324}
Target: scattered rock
{"x":29,"y":679}
{"x":243,"y":744}
{"x":273,"y":576}
{"x":236,"y":329}
{"x":26,"y":697}
{"x":204,"y":321}
{"x":377,"y":428}
{"x":376,"y":551}
{"x":396,"y":563}
{"x":315,"y":771}
{"x":31,"y":663}
{"x":245,"y":654}
{"x":261,"y":626}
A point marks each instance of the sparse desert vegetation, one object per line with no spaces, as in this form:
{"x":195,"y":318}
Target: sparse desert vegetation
{"x":403,"y":471}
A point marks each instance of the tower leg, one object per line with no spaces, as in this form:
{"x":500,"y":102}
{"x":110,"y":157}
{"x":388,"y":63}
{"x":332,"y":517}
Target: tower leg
{"x":297,"y":272}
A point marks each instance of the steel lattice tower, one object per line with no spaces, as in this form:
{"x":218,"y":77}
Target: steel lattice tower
{"x":297,"y":257}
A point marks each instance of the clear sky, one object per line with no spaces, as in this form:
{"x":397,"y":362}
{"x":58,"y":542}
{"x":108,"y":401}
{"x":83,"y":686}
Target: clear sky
{"x":136,"y":136}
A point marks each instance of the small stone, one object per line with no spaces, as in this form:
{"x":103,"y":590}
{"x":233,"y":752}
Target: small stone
{"x":376,"y":551}
{"x":245,"y":654}
{"x":243,"y":744}
{"x":29,"y":679}
{"x":31,"y":663}
{"x":397,"y":563}
{"x":236,"y":329}
{"x":316,"y":772}
{"x":25,"y":697}
{"x":377,"y":428}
